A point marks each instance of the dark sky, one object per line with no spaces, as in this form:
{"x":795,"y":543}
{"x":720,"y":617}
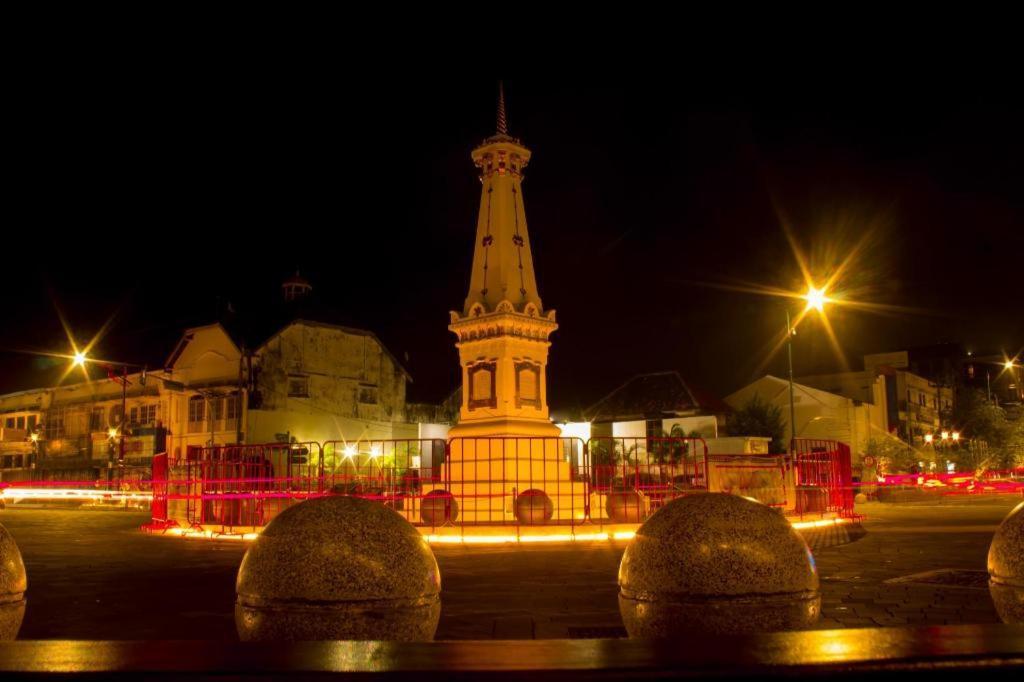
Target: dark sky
{"x":161,"y":196}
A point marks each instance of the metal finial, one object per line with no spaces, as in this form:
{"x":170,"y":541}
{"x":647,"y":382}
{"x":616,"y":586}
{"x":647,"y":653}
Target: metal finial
{"x":502,"y":119}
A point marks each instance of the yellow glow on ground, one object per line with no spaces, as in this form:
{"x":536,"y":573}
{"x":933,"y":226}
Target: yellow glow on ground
{"x":552,"y":534}
{"x":820,"y":523}
{"x":209,"y":534}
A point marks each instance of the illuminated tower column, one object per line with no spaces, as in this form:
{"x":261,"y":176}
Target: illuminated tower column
{"x":503,"y":328}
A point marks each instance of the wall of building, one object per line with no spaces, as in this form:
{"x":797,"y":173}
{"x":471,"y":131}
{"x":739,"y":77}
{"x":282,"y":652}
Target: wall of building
{"x":319,"y":382}
{"x":352,"y":389}
{"x":819,"y":414}
{"x":207,"y":363}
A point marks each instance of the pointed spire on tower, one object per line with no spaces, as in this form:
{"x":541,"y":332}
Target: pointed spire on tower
{"x":502,"y":119}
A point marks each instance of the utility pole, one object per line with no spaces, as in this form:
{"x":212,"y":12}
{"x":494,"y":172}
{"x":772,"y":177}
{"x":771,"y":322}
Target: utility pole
{"x":124,"y":424}
{"x":792,"y":399}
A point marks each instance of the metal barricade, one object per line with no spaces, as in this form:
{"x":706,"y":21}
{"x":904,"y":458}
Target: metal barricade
{"x":396,"y":472}
{"x":824,"y":478}
{"x":518,"y":480}
{"x":632,"y":477}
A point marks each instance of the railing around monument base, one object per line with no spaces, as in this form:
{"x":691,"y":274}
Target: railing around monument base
{"x":632,"y":477}
{"x":528,"y":481}
{"x":490,"y":481}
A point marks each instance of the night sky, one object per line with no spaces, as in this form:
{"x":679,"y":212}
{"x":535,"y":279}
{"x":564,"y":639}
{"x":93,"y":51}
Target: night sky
{"x":164,"y":199}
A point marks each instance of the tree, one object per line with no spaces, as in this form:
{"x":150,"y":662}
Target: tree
{"x":981,"y":420}
{"x":758,"y":418}
{"x":893,"y":455}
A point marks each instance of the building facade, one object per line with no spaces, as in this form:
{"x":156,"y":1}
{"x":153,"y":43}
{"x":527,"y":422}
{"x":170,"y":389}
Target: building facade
{"x":915,"y":406}
{"x":309,"y":381}
{"x":822,"y":414}
{"x":655,"y":404}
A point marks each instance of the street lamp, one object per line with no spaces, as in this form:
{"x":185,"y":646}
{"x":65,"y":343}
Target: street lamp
{"x":816,"y":299}
{"x":78,"y":359}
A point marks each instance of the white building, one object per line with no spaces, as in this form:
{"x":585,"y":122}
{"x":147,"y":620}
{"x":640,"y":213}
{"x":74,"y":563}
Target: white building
{"x":821,"y":414}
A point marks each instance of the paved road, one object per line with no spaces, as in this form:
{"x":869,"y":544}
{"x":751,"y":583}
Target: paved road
{"x":94,"y":575}
{"x":906,"y":540}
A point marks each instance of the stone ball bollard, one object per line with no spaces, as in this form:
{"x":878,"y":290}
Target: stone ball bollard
{"x":717,"y":563}
{"x":625,"y":506}
{"x":13,"y":584}
{"x":534,"y":506}
{"x":860,"y":498}
{"x":340,"y":568}
{"x":1006,"y":567}
{"x":438,"y":507}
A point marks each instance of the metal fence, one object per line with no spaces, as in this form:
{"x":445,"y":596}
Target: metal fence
{"x":824,"y":479}
{"x":462,"y":482}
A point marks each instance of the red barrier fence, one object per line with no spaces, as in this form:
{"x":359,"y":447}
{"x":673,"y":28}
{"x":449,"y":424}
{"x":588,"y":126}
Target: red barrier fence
{"x":824,"y":480}
{"x":492,"y":481}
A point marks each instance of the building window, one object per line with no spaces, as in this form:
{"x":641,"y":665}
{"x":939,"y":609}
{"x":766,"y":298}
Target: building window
{"x":231,"y":406}
{"x":216,"y":408}
{"x":298,"y":387}
{"x":96,"y":419}
{"x":55,"y":424}
{"x":21,"y":422}
{"x":196,"y":408}
{"x":653,"y":428}
{"x":368,"y":395}
{"x":143,"y":415}
{"x":9,"y":423}
{"x":32,"y":421}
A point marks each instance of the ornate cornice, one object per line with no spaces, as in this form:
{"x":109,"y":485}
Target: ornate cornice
{"x":505,"y":321}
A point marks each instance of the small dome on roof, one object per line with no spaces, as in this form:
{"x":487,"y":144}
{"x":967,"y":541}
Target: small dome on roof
{"x":296,"y":286}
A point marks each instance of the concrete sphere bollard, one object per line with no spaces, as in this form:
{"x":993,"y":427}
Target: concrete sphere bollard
{"x":438,"y":507}
{"x":338,"y":568}
{"x":860,"y":498}
{"x":13,"y":584}
{"x":533,"y":507}
{"x":717,"y":563}
{"x":625,"y":506}
{"x":1006,"y":567}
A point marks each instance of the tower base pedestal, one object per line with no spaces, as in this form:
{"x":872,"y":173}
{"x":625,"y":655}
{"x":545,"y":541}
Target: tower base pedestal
{"x":488,"y":474}
{"x":505,"y":428}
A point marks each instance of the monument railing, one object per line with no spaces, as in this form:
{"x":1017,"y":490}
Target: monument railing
{"x":395,"y":472}
{"x":527,"y":481}
{"x":657,"y":469}
{"x":482,"y":481}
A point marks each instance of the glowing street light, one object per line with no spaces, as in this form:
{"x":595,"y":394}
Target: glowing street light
{"x":928,"y":438}
{"x":816,"y":298}
{"x":78,"y":359}
{"x":956,"y":435}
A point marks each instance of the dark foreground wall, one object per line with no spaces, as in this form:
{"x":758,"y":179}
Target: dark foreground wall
{"x":989,"y":651}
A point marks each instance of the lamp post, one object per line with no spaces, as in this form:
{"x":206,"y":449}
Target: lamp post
{"x":792,"y":400}
{"x":816,"y":299}
{"x":1011,"y":367}
{"x":79,"y":359}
